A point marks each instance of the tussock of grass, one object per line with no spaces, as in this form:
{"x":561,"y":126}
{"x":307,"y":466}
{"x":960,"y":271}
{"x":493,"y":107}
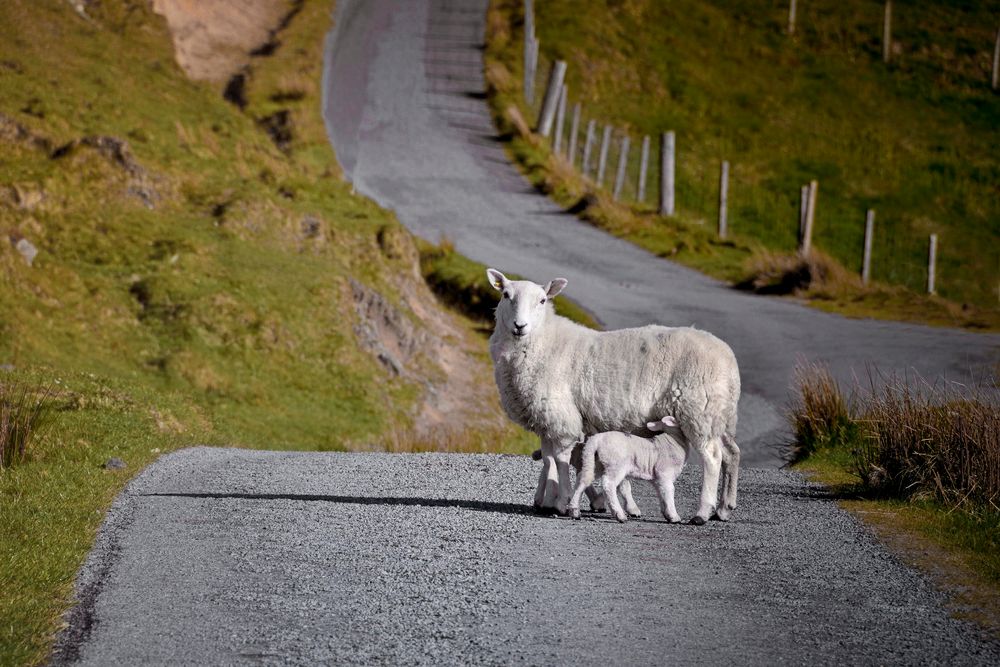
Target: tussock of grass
{"x":935,"y":447}
{"x":782,"y":111}
{"x":23,"y":412}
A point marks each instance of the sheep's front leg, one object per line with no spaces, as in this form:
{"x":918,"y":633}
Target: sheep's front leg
{"x":547,"y":490}
{"x":665,"y":489}
{"x":562,"y":468}
{"x":711,"y":456}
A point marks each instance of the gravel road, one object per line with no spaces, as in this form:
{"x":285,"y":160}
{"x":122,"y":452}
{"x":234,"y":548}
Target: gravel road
{"x":216,"y":556}
{"x":220,"y":557}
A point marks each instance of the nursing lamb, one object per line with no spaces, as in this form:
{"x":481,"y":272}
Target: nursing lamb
{"x":565,"y":382}
{"x":659,"y":459}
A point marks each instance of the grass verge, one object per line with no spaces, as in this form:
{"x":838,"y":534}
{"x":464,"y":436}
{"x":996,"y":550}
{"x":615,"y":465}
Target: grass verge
{"x":782,"y":111}
{"x":922,"y":465}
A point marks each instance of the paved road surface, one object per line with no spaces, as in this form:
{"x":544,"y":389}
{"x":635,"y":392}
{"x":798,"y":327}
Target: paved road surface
{"x":219,"y":557}
{"x":216,"y":556}
{"x":406,"y":116}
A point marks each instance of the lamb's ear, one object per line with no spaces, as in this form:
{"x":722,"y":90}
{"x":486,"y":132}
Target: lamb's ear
{"x":554,"y":287}
{"x":669,"y":421}
{"x":655,"y":427}
{"x":497,"y":279}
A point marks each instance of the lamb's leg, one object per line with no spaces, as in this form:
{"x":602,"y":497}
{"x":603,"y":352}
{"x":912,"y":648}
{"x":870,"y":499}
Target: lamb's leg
{"x":540,"y":489}
{"x":596,"y":497}
{"x":711,"y":456}
{"x":630,"y":505}
{"x":665,"y":489}
{"x":730,"y":477}
{"x":551,"y":483}
{"x":612,"y":478}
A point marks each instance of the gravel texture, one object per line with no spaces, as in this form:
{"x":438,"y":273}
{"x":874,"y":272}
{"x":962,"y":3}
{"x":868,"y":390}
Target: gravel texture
{"x":405,"y":111}
{"x":221,"y":556}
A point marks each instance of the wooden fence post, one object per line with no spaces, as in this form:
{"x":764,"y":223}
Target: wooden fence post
{"x":560,"y":119}
{"x":791,"y":17}
{"x":602,"y":159}
{"x":810,"y":217}
{"x":530,"y":65}
{"x":547,"y":114}
{"x":803,"y":209}
{"x":996,"y":62}
{"x":588,"y":147}
{"x":667,"y":147}
{"x":622,"y":164}
{"x":931,"y":264}
{"x":887,"y":32}
{"x":723,"y":197}
{"x":643,"y":169}
{"x":574,"y":130}
{"x":866,"y":259}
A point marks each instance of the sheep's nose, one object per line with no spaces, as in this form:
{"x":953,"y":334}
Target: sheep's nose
{"x":519,"y":326}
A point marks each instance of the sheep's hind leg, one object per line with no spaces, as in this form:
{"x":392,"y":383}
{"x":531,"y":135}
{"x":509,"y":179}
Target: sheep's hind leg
{"x":631,"y":508}
{"x":730,"y":477}
{"x":711,"y":456}
{"x":665,"y":489}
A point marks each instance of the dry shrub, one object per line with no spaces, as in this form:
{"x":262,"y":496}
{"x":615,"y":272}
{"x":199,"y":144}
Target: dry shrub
{"x":820,"y":416}
{"x":940,"y":441}
{"x":817,"y":273}
{"x":22,"y":413}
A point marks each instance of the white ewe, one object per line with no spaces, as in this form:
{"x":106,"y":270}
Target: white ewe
{"x":564,"y":382}
{"x":659,"y":459}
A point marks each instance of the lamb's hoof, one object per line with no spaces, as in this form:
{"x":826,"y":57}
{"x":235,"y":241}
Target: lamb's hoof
{"x":621,"y":518}
{"x":672,"y":519}
{"x":575,"y":513}
{"x":635,"y":515}
{"x":721,"y":514}
{"x":698,"y":520}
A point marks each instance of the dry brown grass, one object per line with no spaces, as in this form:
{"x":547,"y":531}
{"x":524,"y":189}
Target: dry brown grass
{"x":815,"y":274}
{"x":820,"y":415}
{"x":22,"y":413}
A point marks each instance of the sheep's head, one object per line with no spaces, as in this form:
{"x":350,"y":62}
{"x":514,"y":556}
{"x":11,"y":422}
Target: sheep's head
{"x":523,"y":304}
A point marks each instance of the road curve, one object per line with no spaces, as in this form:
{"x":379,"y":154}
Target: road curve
{"x":226,"y":557}
{"x":405,"y":110}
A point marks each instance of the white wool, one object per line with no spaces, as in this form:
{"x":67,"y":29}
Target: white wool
{"x":565,"y":382}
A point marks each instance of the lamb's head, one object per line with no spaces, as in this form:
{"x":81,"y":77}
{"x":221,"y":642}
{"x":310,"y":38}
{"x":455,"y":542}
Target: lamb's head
{"x":667,"y":423}
{"x":523,"y":305}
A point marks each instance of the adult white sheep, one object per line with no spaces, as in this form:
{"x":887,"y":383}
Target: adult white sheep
{"x":564,"y":382}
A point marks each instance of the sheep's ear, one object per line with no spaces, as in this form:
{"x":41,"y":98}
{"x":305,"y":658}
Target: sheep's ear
{"x":655,"y":427}
{"x":497,"y":279}
{"x":554,"y":287}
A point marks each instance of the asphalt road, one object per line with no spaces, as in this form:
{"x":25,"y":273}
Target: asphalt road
{"x":219,"y":556}
{"x":405,"y":111}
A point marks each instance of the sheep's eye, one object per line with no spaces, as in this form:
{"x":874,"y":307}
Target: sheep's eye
{"x":542,"y":301}
{"x":506,"y":295}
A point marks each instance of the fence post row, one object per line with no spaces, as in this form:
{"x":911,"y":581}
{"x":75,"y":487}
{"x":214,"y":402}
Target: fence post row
{"x":548,"y":112}
{"x":560,"y":119}
{"x":588,"y":145}
{"x":791,"y":17}
{"x":602,"y":159}
{"x":530,"y":64}
{"x":931,"y":262}
{"x":667,"y":146}
{"x":866,"y":260}
{"x":574,"y":130}
{"x":723,"y":197}
{"x":996,"y":62}
{"x":643,"y":168}
{"x":622,"y":163}
{"x":810,"y":217}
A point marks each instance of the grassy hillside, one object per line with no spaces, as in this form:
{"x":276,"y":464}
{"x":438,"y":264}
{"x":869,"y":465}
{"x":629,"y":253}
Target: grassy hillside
{"x":914,"y":140}
{"x":203,"y":276}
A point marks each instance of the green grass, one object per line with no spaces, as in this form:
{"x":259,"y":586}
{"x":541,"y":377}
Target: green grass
{"x":911,"y":140}
{"x":221,"y":314}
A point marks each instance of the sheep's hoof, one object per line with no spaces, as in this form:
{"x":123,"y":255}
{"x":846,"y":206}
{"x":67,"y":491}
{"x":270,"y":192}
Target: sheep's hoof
{"x":635,"y":514}
{"x":697,"y":520}
{"x":721,"y":514}
{"x":575,"y":513}
{"x":621,"y":518}
{"x":672,"y":519}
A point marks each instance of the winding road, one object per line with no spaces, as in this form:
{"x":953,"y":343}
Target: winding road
{"x":218,"y":556}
